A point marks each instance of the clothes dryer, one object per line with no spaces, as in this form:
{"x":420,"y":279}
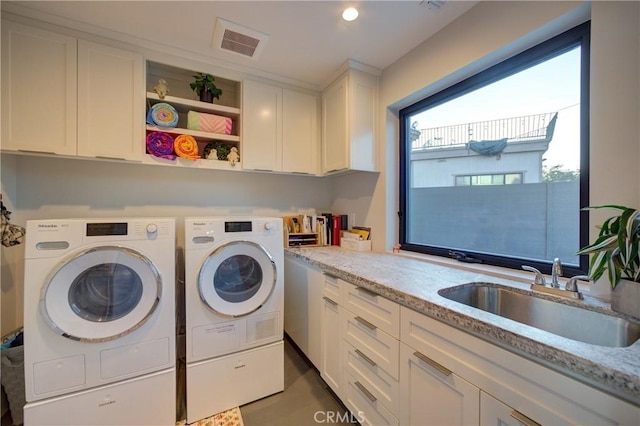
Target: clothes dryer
{"x":234,"y":302}
{"x":99,"y":321}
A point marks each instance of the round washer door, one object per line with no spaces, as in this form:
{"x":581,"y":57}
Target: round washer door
{"x":101,"y":294}
{"x":237,"y":278}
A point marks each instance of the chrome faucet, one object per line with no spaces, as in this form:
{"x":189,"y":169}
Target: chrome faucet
{"x":539,"y":278}
{"x":540,"y":283}
{"x":572,"y":284}
{"x":556,"y":271}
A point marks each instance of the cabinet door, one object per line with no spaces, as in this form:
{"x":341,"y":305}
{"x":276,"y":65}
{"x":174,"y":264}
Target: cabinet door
{"x":111,"y":98}
{"x":335,"y":150}
{"x":363,"y":99}
{"x":39,"y":92}
{"x":302,"y":307}
{"x":261,"y":126}
{"x":431,"y":396}
{"x":299,"y":132}
{"x":296,"y":323}
{"x":331,"y":367}
{"x":497,"y":413}
{"x":315,"y":280}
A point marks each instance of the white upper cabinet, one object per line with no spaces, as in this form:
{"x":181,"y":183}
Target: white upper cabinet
{"x":110,"y":102}
{"x":39,"y":91}
{"x":299,"y":132}
{"x":67,"y":96}
{"x":279,"y":129}
{"x":349,"y":123}
{"x":261,"y":126}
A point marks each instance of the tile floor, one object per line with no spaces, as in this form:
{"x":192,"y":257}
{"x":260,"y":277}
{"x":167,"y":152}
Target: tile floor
{"x":306,"y":400}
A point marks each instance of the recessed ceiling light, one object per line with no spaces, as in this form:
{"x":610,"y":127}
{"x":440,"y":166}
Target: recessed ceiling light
{"x":350,"y":14}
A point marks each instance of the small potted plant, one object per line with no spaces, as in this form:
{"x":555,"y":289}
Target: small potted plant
{"x":617,"y":251}
{"x":204,"y":85}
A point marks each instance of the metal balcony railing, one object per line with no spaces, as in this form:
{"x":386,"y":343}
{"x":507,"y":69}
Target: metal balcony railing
{"x":529,"y":128}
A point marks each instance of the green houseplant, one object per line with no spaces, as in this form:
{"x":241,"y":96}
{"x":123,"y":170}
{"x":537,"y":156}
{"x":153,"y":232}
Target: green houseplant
{"x":617,"y":251}
{"x":204,"y":85}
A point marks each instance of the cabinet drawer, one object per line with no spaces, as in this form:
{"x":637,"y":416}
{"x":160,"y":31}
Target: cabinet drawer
{"x":381,"y":312}
{"x":331,"y":287}
{"x":373,"y":342}
{"x":364,"y":406}
{"x":380,"y":383}
{"x":432,"y":395}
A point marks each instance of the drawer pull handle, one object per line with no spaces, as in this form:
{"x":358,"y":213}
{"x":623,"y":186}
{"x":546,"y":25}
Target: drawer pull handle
{"x":366,"y":358}
{"x":366,"y":393}
{"x":330,"y":301}
{"x":365,"y":323}
{"x":523,"y":419}
{"x":367,"y":291}
{"x":432,"y":363}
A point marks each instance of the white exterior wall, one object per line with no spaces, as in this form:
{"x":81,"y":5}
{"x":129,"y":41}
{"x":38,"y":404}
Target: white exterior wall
{"x":442,"y":172}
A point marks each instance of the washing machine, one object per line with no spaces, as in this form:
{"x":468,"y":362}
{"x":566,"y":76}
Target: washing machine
{"x":234,"y":302}
{"x":99,"y":321}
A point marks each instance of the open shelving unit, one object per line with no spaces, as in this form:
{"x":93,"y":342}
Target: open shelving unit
{"x":182,"y":100}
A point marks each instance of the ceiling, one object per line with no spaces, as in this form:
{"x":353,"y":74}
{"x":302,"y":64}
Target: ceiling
{"x":308,"y":40}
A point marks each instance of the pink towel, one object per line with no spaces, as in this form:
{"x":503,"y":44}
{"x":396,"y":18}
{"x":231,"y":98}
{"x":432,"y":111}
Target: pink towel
{"x":209,"y":123}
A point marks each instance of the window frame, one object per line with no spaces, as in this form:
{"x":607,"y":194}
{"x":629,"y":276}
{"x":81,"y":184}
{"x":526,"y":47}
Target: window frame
{"x":577,"y":36}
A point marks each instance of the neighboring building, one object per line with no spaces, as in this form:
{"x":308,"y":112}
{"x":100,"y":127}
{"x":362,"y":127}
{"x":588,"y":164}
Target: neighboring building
{"x":495,"y":152}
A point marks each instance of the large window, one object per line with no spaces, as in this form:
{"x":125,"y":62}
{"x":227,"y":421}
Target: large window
{"x":496,"y":166}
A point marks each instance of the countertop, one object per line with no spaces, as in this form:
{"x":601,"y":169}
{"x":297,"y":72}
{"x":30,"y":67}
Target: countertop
{"x":415,"y":283}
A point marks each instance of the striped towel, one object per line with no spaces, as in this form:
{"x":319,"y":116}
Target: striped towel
{"x":209,"y":123}
{"x":186,"y":147}
{"x":163,"y":114}
{"x":160,"y":144}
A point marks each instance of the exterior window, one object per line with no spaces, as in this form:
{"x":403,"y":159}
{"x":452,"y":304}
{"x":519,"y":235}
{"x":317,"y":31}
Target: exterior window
{"x":493,"y":179}
{"x":496,"y":166}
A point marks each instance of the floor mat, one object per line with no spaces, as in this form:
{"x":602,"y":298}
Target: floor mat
{"x":230,"y":417}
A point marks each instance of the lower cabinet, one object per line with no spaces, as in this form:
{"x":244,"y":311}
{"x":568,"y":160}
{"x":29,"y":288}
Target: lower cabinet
{"x":330,"y":340}
{"x":302,"y":307}
{"x":425,"y":372}
{"x":529,"y":392}
{"x":431,"y":394}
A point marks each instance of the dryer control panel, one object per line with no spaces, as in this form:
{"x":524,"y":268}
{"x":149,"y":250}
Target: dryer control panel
{"x":200,"y":231}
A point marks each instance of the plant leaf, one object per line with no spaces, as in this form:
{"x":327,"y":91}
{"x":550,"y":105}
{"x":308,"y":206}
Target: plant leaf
{"x":605,"y":242}
{"x":597,"y":265}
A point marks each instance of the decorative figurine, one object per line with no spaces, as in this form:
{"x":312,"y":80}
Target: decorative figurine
{"x":233,"y":156}
{"x":212,"y":154}
{"x":161,"y":88}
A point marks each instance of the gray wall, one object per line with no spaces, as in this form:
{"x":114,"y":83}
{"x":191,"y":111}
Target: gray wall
{"x":518,"y":220}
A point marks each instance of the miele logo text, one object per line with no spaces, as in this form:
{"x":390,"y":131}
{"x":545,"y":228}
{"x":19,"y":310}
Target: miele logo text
{"x":102,"y":404}
{"x":45,"y":226}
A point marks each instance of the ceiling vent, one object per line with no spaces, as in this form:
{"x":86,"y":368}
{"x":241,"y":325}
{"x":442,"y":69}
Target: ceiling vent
{"x":237,"y":39}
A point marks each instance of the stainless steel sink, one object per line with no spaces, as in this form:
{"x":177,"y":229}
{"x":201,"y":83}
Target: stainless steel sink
{"x":575,"y":323}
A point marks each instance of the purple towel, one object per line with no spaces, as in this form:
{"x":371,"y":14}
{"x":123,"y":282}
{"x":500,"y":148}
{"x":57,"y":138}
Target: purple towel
{"x":160,"y":144}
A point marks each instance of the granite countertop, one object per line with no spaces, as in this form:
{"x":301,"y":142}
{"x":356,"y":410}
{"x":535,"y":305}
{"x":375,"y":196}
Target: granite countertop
{"x":414,"y":283}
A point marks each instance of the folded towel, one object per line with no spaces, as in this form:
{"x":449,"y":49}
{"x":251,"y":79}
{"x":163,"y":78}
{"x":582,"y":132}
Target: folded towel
{"x":160,"y":144}
{"x":209,"y":123}
{"x":162,"y":114}
{"x":186,"y":147}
